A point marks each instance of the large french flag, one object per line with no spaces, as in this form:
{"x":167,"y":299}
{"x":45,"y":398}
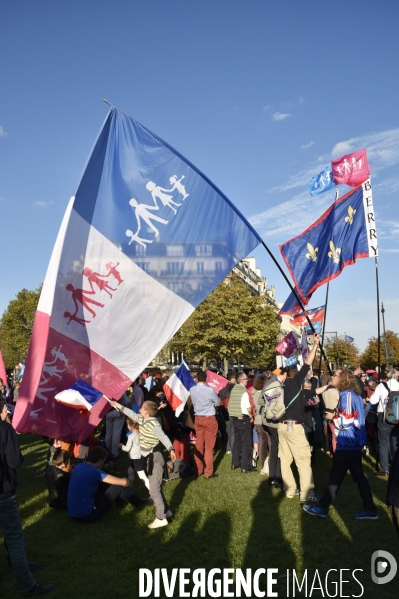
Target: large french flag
{"x":177,"y":388}
{"x":144,"y":240}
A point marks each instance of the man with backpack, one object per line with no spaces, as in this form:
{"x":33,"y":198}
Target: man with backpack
{"x":293,"y":444}
{"x":388,"y":434}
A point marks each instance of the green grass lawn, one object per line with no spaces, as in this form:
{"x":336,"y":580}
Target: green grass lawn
{"x":233,"y":521}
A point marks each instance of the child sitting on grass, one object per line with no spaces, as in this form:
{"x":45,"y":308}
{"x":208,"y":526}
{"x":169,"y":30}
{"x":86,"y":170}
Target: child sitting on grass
{"x":152,"y":438}
{"x":133,"y":447}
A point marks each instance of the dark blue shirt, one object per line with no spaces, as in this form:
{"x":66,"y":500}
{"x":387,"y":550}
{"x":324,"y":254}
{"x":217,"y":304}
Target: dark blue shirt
{"x":83,"y":488}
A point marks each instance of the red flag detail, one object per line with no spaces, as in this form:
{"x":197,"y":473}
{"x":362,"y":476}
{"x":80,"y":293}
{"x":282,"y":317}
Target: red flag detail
{"x":352,"y":169}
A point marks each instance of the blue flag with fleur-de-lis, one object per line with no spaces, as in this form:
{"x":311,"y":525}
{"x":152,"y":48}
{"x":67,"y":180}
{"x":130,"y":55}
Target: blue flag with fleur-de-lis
{"x":344,"y":233}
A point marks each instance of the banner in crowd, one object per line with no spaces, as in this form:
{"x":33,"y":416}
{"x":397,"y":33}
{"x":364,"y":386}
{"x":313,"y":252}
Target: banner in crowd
{"x":288,"y":345}
{"x":144,"y":240}
{"x":215,"y":381}
{"x":344,"y":233}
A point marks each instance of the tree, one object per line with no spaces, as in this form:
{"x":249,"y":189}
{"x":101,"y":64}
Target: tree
{"x":369,"y":358}
{"x":339,"y":351}
{"x":230,"y":324}
{"x":16,"y":326}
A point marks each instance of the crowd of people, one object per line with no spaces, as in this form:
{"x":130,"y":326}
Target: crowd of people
{"x":267,"y":422}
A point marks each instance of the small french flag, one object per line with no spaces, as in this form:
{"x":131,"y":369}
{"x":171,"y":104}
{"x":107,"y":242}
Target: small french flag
{"x":80,"y":396}
{"x":177,"y":388}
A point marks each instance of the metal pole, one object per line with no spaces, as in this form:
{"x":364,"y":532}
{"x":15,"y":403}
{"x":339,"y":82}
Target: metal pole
{"x":385,"y":335}
{"x":378,"y":320}
{"x":297,"y":298}
{"x":324,"y":323}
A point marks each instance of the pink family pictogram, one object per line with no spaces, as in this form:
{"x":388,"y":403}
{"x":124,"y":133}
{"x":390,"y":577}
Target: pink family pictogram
{"x":82,"y":296}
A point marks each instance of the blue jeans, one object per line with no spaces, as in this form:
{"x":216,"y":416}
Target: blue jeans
{"x":10,"y":523}
{"x":114,"y":421}
{"x":388,"y":442}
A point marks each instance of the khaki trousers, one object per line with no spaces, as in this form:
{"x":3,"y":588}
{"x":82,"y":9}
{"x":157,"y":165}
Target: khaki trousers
{"x":293,"y":446}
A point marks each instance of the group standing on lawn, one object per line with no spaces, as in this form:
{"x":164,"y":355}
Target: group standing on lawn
{"x":240,"y":415}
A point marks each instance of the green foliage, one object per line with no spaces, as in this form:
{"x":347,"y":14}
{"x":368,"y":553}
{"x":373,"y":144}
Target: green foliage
{"x":16,"y":326}
{"x":340,"y":351}
{"x":230,"y":323}
{"x":369,"y":358}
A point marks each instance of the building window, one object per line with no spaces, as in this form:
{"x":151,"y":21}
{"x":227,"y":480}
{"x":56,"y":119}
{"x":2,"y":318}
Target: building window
{"x":200,"y":268}
{"x":218,"y":266}
{"x":175,"y":287}
{"x":203,"y":250}
{"x":175,"y":250}
{"x":144,"y":266}
{"x":174,"y":268}
{"x":140,"y":250}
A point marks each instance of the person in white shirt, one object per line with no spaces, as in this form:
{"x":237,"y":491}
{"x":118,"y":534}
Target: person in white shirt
{"x":388,"y":434}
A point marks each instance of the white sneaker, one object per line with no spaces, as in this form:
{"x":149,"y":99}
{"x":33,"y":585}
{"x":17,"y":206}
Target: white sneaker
{"x":168,"y":514}
{"x":158,"y":523}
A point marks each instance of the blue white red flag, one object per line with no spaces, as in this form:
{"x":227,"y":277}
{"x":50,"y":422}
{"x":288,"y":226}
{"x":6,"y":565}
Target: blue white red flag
{"x":344,"y":233}
{"x":80,"y":396}
{"x":349,"y":339}
{"x":144,"y":240}
{"x":315,"y":315}
{"x":351,"y":169}
{"x":321,"y":182}
{"x":177,"y":388}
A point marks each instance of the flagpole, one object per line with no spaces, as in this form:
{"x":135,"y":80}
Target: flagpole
{"x":328,"y":287}
{"x":324,"y":324}
{"x":297,"y":298}
{"x":378,"y":320}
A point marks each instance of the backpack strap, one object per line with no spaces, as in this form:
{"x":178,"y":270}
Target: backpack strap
{"x":292,"y":400}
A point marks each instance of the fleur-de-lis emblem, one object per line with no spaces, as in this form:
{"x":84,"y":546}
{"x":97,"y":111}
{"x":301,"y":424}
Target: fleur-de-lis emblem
{"x":335,"y":253}
{"x":351,"y":214}
{"x":312,"y":252}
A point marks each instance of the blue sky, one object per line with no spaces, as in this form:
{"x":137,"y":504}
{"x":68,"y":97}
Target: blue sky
{"x":258,"y":95}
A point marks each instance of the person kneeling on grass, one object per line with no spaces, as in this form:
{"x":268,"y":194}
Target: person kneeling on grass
{"x":92,"y":491}
{"x":351,"y":438}
{"x":57,"y":479}
{"x":152,"y":438}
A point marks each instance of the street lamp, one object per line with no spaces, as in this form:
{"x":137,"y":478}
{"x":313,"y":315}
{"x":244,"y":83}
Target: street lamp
{"x":387,"y":357}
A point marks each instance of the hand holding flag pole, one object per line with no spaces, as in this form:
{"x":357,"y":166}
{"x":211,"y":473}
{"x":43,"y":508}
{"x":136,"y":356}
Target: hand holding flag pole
{"x":299,"y":301}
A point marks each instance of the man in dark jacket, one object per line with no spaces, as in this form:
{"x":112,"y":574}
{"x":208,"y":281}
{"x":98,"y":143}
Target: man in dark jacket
{"x":10,"y":521}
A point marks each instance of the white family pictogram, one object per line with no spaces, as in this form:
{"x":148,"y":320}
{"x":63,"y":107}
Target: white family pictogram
{"x":82,"y":298}
{"x":52,"y":369}
{"x":347,"y":168}
{"x":144,"y":212}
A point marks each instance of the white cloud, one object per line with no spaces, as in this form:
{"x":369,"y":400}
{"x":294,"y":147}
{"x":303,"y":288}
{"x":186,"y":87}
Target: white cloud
{"x":280,"y":116}
{"x":307,"y":145}
{"x":388,"y":251}
{"x":382,"y":148}
{"x":42,"y":204}
{"x":266,"y":108}
{"x":388,"y":186}
{"x":290,"y":218}
{"x":2,"y":132}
